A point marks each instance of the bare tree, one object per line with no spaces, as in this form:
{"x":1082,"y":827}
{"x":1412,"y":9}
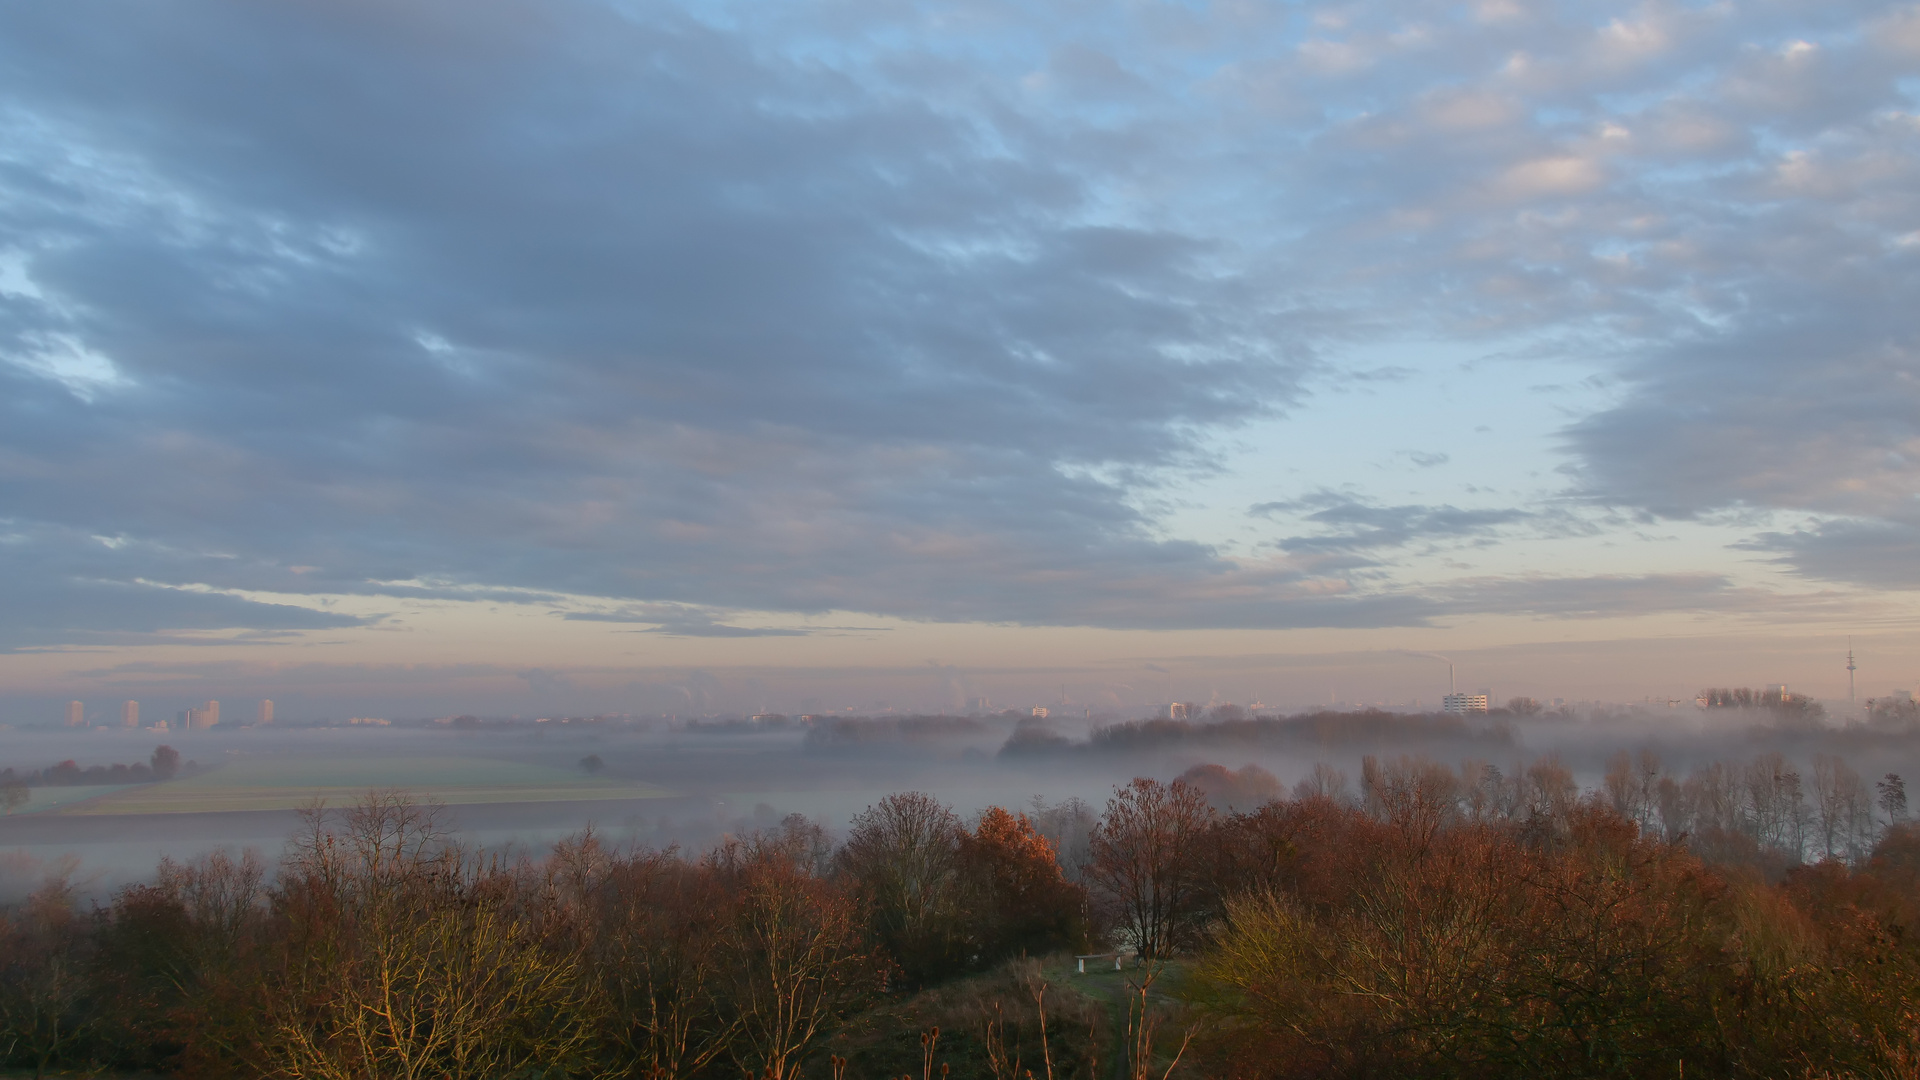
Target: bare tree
{"x":1893,"y":798}
{"x":1632,"y":784}
{"x":1674,"y":806}
{"x":1716,"y":799}
{"x":1620,"y":787}
{"x":1840,"y":804}
{"x":42,"y":975}
{"x":1143,"y":860}
{"x":1776,"y":805}
{"x":901,"y":857}
{"x":652,"y":927}
{"x":410,"y":959}
{"x":1646,"y":771}
{"x":796,"y":962}
{"x":1486,"y":792}
{"x":1068,"y":825}
{"x":1417,"y":795}
{"x":1324,"y":782}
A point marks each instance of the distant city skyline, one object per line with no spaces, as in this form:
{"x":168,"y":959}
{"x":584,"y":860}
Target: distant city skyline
{"x":1089,"y":694}
{"x":926,"y":353}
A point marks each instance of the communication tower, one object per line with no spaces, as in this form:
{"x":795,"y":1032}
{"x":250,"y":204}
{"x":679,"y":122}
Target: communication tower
{"x":1849,"y":671}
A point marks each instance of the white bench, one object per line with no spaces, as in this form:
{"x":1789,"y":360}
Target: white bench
{"x":1082,"y":960}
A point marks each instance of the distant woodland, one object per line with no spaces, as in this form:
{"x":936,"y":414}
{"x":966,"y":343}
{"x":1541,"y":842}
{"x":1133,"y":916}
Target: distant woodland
{"x":1417,"y":919}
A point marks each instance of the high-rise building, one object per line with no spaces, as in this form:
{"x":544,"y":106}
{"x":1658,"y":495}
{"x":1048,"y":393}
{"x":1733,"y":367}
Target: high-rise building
{"x":1464,"y":704}
{"x":264,"y":714}
{"x":201,"y":717}
{"x":130,"y":714}
{"x":76,"y":714}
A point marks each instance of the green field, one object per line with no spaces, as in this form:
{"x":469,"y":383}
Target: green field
{"x":273,"y":783}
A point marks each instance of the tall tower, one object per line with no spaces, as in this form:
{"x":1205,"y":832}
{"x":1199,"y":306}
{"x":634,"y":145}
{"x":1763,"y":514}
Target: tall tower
{"x":202,"y":717}
{"x":76,"y":714}
{"x":1849,"y":671}
{"x":129,"y":714}
{"x":265,"y":713}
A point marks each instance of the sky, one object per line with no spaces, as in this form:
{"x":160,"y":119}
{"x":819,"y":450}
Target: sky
{"x":528,"y":356}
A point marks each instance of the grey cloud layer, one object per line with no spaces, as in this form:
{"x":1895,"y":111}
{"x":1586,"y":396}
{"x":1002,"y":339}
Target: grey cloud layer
{"x":544,"y":297}
{"x":60,"y":587}
{"x":800,"y":314}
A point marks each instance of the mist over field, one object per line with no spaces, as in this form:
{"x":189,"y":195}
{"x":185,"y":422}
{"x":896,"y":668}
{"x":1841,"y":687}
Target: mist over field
{"x":517,"y":787}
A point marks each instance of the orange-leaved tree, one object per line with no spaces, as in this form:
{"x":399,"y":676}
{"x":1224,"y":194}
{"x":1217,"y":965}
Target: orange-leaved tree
{"x":1017,"y":898}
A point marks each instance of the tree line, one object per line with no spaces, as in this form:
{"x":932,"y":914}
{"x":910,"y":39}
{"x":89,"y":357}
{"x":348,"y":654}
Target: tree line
{"x":1421,"y":920}
{"x":164,"y":764}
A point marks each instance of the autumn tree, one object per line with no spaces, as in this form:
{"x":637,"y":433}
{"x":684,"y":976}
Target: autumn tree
{"x":1489,"y":949}
{"x":1017,"y":899}
{"x":1228,"y":790}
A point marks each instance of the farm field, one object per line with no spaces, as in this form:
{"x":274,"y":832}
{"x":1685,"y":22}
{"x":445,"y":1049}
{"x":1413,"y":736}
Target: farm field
{"x":46,"y":799}
{"x":288,"y":783}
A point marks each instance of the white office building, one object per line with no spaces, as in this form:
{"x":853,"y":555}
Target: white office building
{"x":76,"y":714}
{"x":1465,"y":704}
{"x":129,"y":714}
{"x":264,"y":714}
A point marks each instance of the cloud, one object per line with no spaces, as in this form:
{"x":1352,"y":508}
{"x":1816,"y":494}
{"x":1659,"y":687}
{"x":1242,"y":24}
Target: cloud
{"x":803,"y":311}
{"x":722,"y":630}
{"x":80,"y":612}
{"x":536,"y":316}
{"x":1603,"y":596}
{"x":1869,"y":553}
{"x":62,"y":589}
{"x":1353,"y":524}
{"x":1820,"y":414}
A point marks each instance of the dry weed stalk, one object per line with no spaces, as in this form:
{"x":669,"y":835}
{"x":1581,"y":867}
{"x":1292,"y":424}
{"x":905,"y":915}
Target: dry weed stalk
{"x":1141,"y":1024}
{"x":1037,"y":987}
{"x":993,"y":1036}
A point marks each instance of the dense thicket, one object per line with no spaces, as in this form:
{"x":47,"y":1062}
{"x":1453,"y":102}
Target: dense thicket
{"x":1428,"y":921}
